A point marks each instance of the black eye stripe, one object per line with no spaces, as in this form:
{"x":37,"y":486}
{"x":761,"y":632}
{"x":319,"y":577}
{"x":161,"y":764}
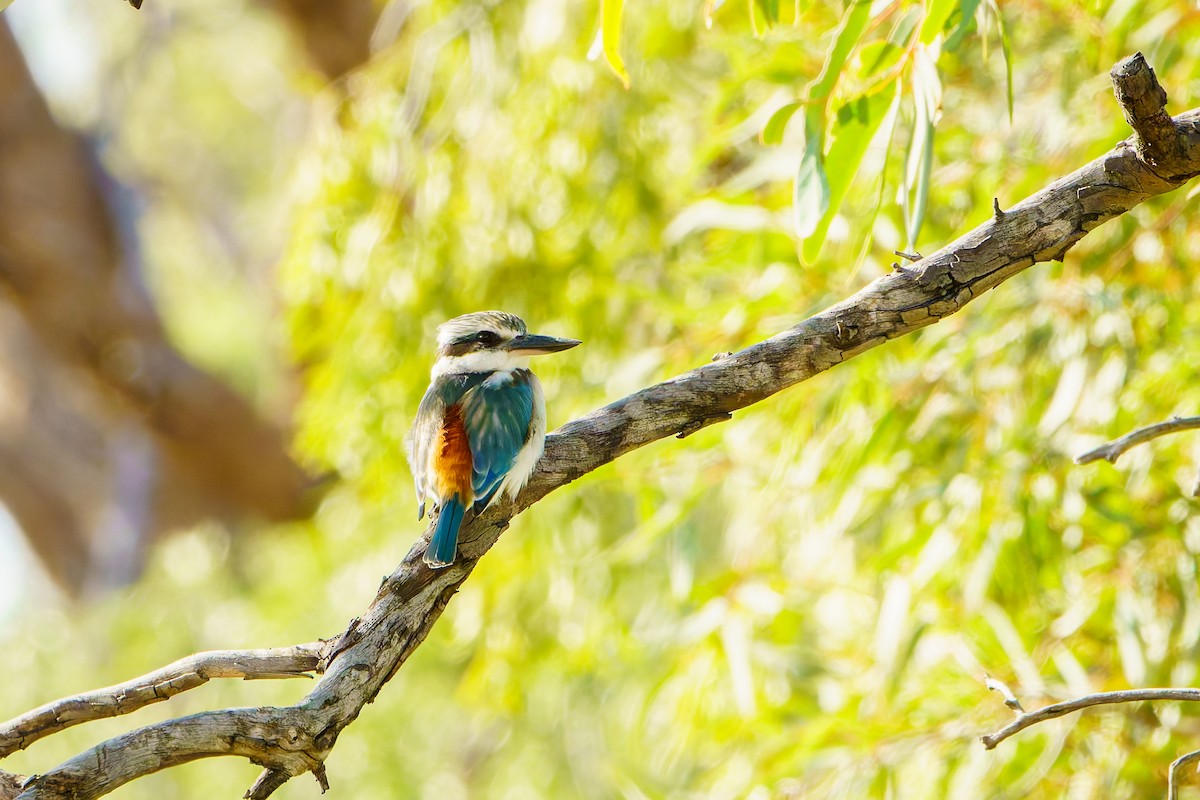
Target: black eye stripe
{"x":487,"y":338}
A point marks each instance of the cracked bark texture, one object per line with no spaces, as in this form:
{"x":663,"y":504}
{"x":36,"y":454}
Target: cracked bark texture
{"x":294,"y":740}
{"x":10,"y":785}
{"x":162,"y":684}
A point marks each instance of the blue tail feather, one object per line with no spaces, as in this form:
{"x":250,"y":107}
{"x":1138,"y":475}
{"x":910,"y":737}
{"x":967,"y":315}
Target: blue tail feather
{"x":444,"y":544}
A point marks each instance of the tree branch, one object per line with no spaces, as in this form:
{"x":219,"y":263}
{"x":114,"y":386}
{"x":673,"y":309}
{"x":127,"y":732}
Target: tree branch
{"x":10,"y":785}
{"x":1111,"y":451}
{"x":297,"y":661}
{"x":1174,"y":775}
{"x":297,"y":739}
{"x":1026,"y":719}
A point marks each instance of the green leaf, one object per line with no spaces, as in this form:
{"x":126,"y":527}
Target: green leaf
{"x":850,"y":141}
{"x":918,"y":163}
{"x":868,"y":223}
{"x":1006,"y":48}
{"x":936,"y":14}
{"x":920,"y":149}
{"x":966,"y":25}
{"x":902,"y":31}
{"x":878,"y":56}
{"x":772,"y":132}
{"x":710,"y":6}
{"x":848,"y":32}
{"x":770,"y":10}
{"x":810,"y":197}
{"x":610,"y":32}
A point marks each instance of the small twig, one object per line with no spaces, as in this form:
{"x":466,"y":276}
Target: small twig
{"x":322,"y":778}
{"x":1143,"y":102}
{"x":162,"y":684}
{"x":997,"y":213}
{"x":1029,"y":718}
{"x":1113,"y":450}
{"x":1176,"y":768}
{"x":914,"y":256}
{"x":1010,"y":699}
{"x":270,"y":780}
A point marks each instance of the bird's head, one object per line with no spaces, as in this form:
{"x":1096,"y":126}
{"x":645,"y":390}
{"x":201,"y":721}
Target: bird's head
{"x":486,"y":341}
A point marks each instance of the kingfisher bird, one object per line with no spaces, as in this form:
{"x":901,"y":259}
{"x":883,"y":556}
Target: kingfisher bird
{"x":481,"y":426}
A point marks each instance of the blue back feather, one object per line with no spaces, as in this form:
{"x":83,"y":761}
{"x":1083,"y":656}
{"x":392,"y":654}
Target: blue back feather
{"x":497,"y":414}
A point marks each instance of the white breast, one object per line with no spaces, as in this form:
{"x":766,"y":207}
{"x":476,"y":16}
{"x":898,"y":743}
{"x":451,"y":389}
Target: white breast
{"x":531,"y":453}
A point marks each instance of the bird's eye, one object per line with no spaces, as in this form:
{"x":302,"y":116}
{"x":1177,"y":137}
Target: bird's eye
{"x":487,"y":338}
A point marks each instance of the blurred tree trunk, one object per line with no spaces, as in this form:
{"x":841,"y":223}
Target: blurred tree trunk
{"x":108,"y":436}
{"x":336,"y":35}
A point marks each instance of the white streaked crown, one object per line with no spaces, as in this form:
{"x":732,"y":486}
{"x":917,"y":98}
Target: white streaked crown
{"x":498,"y":322}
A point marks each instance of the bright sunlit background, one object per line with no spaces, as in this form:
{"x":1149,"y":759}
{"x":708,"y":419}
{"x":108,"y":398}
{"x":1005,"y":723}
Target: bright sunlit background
{"x":801,"y":602}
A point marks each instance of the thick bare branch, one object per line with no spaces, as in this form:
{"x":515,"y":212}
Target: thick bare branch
{"x":294,"y":740}
{"x":273,"y":737}
{"x":1111,"y":451}
{"x":298,"y":661}
{"x":10,"y":785}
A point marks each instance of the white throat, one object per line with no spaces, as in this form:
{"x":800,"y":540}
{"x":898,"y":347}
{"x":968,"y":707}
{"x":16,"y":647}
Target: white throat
{"x":479,"y":361}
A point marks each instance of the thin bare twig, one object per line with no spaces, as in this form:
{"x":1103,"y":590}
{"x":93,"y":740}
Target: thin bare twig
{"x":1030,"y":718}
{"x":1113,"y":450}
{"x":1175,"y":774}
{"x":1010,"y":699}
{"x":298,"y":661}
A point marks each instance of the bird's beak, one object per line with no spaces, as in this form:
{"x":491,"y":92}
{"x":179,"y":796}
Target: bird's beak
{"x":534,"y":344}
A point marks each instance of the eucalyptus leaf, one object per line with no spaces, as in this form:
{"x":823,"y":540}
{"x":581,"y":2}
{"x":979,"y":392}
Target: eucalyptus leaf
{"x":810,"y":196}
{"x":772,"y":132}
{"x":937,"y":12}
{"x":849,"y":145}
{"x":1006,"y":49}
{"x":610,"y":33}
{"x":846,"y":36}
{"x":966,"y":25}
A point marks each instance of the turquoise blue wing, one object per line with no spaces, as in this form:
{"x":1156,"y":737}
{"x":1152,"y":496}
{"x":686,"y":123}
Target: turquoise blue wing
{"x":497,"y":413}
{"x":443,"y":392}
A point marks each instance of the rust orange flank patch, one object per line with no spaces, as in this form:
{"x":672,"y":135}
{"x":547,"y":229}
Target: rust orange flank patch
{"x":451,"y":454}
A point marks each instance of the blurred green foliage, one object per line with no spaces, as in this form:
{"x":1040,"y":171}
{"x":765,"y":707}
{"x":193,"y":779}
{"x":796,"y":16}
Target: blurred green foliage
{"x":802,"y":602}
